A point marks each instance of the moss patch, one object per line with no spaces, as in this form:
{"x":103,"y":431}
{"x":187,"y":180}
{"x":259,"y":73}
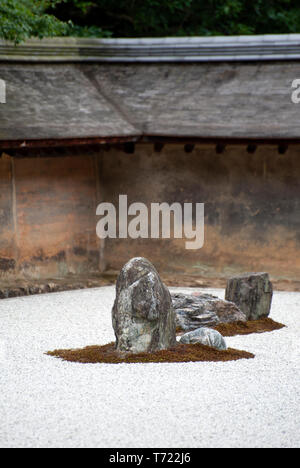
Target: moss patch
{"x":247,"y":328}
{"x":243,"y":328}
{"x":181,"y":353}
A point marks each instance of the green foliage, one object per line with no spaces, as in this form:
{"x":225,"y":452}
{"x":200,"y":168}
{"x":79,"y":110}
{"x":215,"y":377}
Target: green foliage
{"x":136,"y":18}
{"x":20,"y":19}
{"x":88,"y":31}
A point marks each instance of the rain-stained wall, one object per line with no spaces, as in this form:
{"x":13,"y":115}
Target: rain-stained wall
{"x":47,"y":212}
{"x":252,"y":210}
{"x":252,"y":207}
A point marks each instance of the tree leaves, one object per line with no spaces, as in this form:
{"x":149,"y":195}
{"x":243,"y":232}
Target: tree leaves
{"x":138,"y":18}
{"x":20,"y":19}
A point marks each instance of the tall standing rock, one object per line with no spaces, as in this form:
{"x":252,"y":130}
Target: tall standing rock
{"x":252,"y":293}
{"x":143,"y":316}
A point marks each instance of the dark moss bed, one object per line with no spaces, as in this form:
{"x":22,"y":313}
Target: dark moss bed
{"x":181,"y":353}
{"x":244,"y":328}
{"x":247,"y":328}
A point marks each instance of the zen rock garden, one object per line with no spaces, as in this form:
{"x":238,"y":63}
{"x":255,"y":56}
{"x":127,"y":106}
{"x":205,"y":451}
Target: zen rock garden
{"x":153,"y":325}
{"x":145,"y":315}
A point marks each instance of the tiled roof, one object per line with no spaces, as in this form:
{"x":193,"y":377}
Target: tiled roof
{"x":187,"y":49}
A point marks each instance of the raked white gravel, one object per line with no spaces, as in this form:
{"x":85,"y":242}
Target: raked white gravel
{"x":45,"y":402}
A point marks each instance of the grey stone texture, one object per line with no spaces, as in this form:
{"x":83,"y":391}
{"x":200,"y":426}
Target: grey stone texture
{"x":143,"y":316}
{"x":205,"y":336}
{"x":252,"y":293}
{"x":204,"y":310}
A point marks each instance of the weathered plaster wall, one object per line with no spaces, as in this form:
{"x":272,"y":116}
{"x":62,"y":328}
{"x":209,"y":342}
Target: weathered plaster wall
{"x":7,"y":233}
{"x":47,"y":209}
{"x":252,"y":204}
{"x":48,"y":206}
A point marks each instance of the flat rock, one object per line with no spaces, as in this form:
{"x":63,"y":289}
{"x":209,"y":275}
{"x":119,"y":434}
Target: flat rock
{"x":143,"y":316}
{"x":205,"y":336}
{"x":204,"y":310}
{"x":252,"y":293}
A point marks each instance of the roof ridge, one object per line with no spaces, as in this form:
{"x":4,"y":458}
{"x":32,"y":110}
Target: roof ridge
{"x":170,"y":49}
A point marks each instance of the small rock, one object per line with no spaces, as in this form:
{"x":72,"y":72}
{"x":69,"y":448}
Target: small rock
{"x":203,"y":310}
{"x":205,"y":336}
{"x":143,"y":316}
{"x":252,"y":293}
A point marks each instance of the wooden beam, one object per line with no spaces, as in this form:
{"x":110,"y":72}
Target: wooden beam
{"x":189,"y":148}
{"x":158,"y":147}
{"x":251,"y":149}
{"x":129,"y":148}
{"x":282,"y":149}
{"x":220,"y":148}
{"x":55,"y":143}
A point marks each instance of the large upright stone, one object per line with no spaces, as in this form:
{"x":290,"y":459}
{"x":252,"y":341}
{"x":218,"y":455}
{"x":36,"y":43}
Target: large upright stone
{"x":143,"y":316}
{"x":252,"y":293}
